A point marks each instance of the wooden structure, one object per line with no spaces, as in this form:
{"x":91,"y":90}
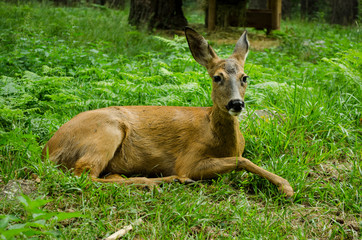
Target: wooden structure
{"x":259,"y":18}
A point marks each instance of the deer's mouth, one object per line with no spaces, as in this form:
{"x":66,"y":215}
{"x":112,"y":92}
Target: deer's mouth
{"x":235,"y":107}
{"x":234,"y":113}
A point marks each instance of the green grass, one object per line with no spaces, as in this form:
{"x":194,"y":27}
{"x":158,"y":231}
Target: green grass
{"x":56,"y":62}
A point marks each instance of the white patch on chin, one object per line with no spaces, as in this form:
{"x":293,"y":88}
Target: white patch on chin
{"x":234,"y":113}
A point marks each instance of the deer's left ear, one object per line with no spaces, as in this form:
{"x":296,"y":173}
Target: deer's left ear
{"x":241,"y":48}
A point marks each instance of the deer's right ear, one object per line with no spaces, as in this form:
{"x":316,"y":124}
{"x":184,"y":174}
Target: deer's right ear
{"x":199,"y":47}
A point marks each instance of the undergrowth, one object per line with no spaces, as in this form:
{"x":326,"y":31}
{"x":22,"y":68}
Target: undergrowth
{"x":56,"y":62}
{"x":36,"y":223}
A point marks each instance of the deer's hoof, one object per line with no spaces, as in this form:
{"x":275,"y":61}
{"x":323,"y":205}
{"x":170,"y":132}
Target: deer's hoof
{"x":183,"y":180}
{"x":189,"y":181}
{"x":286,"y":189}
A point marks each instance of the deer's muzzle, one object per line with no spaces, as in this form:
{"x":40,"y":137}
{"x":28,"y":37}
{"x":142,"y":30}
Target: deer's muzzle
{"x":235,"y":106}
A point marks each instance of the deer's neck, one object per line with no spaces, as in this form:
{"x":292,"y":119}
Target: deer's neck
{"x":226,"y":129}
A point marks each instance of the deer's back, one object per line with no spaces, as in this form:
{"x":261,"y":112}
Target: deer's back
{"x":133,"y":137}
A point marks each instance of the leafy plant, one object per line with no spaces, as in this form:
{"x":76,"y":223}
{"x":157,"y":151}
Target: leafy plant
{"x":36,"y":223}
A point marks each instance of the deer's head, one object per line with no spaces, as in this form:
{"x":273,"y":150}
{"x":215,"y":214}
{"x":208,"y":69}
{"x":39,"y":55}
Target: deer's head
{"x":229,"y":79}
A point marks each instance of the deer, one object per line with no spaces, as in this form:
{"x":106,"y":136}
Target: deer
{"x":150,"y":145}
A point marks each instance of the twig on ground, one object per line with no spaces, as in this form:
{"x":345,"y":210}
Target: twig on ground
{"x":124,"y":230}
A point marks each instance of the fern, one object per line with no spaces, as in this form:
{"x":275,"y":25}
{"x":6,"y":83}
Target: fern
{"x":177,"y":44}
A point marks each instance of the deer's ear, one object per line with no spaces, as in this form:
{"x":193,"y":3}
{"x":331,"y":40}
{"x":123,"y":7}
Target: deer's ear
{"x":199,"y":47}
{"x":241,"y":48}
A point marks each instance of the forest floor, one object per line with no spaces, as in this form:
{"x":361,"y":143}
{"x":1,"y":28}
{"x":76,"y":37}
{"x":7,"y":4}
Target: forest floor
{"x":56,"y":62}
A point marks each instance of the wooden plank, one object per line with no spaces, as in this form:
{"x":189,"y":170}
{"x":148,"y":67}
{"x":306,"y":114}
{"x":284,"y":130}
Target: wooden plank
{"x":212,"y":15}
{"x":276,"y":8}
{"x":259,"y":19}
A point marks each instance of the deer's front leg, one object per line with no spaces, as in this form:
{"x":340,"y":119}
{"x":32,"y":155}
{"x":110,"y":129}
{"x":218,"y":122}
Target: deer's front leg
{"x":211,"y":167}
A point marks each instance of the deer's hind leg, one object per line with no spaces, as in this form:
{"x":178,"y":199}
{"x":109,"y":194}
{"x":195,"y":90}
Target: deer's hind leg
{"x":142,"y":181}
{"x":118,"y":179}
{"x":99,"y":149}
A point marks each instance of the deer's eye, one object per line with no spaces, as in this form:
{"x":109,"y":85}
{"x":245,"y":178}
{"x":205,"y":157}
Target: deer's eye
{"x":244,"y":79}
{"x":217,"y":78}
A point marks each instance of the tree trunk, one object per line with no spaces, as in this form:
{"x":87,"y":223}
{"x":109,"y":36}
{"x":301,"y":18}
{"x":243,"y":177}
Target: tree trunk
{"x":344,"y":12}
{"x":290,"y":8}
{"x":309,"y":8}
{"x":162,"y":14}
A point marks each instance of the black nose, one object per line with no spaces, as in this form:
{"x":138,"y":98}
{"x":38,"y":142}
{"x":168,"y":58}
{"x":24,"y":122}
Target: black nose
{"x":236,"y":105}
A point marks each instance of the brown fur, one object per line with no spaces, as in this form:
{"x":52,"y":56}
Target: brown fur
{"x":171,"y":143}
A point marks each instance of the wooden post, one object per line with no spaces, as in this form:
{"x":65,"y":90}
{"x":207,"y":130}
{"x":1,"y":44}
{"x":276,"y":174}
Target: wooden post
{"x":212,"y":15}
{"x":276,"y":7}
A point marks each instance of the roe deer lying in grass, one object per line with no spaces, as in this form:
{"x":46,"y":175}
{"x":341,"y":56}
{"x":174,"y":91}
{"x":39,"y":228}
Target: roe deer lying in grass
{"x":174,"y":143}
